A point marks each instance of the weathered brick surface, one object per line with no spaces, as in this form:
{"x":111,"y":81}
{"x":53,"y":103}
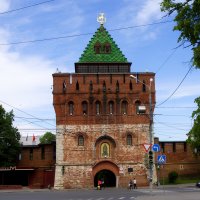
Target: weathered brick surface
{"x":76,"y":166}
{"x":61,"y":99}
{"x":43,"y":170}
{"x":79,"y":161}
{"x":37,"y":161}
{"x":180,"y":158}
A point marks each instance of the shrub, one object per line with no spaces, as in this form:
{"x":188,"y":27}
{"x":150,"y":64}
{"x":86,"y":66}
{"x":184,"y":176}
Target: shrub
{"x":172,"y":176}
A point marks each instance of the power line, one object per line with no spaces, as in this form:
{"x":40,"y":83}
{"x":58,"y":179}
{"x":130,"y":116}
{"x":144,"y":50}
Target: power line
{"x":171,"y":126}
{"x":41,"y":119}
{"x":177,"y":123}
{"x":176,"y":88}
{"x":171,"y":115}
{"x":81,"y":34}
{"x":22,"y":8}
{"x":34,"y":124}
{"x":170,"y":136}
{"x":177,"y":107}
{"x":166,"y":60}
{"x":24,"y":112}
{"x":35,"y":129}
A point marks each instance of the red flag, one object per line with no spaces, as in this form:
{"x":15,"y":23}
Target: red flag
{"x":33,"y":138}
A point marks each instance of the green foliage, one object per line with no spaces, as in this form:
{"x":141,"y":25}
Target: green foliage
{"x":172,"y":177}
{"x":188,"y":23}
{"x":194,"y":134}
{"x":9,"y":139}
{"x":47,"y":138}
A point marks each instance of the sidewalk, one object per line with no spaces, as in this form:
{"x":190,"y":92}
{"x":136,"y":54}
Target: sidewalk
{"x":177,"y":185}
{"x":26,"y":189}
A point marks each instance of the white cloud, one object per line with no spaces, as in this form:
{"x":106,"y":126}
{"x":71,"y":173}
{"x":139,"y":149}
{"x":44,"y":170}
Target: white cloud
{"x":4,"y":5}
{"x":150,"y":11}
{"x":184,"y":91}
{"x":187,"y":91}
{"x":140,"y":13}
{"x":25,"y":80}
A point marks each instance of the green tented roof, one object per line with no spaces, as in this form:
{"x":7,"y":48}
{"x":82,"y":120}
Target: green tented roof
{"x":102,"y":36}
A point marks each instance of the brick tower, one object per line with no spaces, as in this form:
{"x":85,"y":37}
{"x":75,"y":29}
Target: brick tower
{"x":102,"y":118}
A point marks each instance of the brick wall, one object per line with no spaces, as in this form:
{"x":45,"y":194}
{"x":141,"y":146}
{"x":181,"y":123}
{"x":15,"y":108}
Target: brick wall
{"x":43,"y":169}
{"x":76,"y":166}
{"x":180,"y":158}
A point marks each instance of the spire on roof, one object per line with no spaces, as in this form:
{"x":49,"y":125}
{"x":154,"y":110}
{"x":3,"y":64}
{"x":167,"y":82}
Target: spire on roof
{"x":101,"y":18}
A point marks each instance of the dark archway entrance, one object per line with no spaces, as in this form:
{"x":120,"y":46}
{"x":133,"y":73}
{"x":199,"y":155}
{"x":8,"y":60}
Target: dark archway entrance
{"x":108,"y":177}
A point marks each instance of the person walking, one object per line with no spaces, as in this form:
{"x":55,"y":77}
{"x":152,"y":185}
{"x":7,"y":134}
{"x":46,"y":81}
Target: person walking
{"x":130,"y":184}
{"x":134,"y":183}
{"x":99,"y":185}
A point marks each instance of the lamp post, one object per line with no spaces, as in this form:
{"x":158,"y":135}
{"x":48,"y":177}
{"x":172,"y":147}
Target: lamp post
{"x":151,"y":123}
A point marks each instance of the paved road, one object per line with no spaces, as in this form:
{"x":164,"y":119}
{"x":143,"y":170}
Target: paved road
{"x":168,"y":193}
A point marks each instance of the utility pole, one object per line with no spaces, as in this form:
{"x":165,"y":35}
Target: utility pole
{"x":150,"y":128}
{"x":150,"y":133}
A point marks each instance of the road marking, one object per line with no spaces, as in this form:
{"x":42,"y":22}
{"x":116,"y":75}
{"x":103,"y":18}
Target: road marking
{"x":121,"y":198}
{"x":154,"y":191}
{"x":132,"y":197}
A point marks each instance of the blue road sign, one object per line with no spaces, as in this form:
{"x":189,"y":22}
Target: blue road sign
{"x":156,"y":148}
{"x":161,"y":159}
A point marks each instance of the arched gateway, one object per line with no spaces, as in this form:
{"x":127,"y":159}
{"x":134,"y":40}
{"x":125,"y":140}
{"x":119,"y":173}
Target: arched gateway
{"x":107,"y":171}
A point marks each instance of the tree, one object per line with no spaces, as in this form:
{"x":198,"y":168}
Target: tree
{"x":47,"y":138}
{"x":194,"y":134}
{"x":9,"y":139}
{"x":188,"y":23}
{"x":172,"y":176}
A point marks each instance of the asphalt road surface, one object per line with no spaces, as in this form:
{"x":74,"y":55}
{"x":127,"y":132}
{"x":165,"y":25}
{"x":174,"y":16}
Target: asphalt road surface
{"x":170,"y":193}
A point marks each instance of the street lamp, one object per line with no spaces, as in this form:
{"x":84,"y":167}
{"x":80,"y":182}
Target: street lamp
{"x":151,"y":123}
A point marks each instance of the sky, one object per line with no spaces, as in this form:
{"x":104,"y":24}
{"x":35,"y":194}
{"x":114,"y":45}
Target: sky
{"x":26,"y":68}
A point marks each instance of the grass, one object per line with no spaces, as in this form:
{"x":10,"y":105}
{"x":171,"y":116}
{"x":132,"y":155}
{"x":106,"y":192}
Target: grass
{"x":180,"y":180}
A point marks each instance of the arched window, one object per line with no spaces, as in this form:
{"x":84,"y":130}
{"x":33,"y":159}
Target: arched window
{"x":71,"y":108}
{"x":80,"y":140}
{"x":111,"y":107}
{"x":98,"y":107}
{"x":97,"y":78}
{"x":85,"y":107}
{"x":104,"y":86}
{"x":91,"y":86}
{"x":131,"y":85}
{"x":137,"y":104}
{"x":143,"y":86}
{"x":64,"y":86}
{"x":97,"y":48}
{"x":129,"y":139}
{"x":77,"y":85}
{"x":105,"y":150}
{"x":117,"y":86}
{"x":107,"y":48}
{"x":124,"y":107}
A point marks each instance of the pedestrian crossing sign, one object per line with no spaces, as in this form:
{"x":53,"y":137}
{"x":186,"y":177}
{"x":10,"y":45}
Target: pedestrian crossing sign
{"x":161,"y":159}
